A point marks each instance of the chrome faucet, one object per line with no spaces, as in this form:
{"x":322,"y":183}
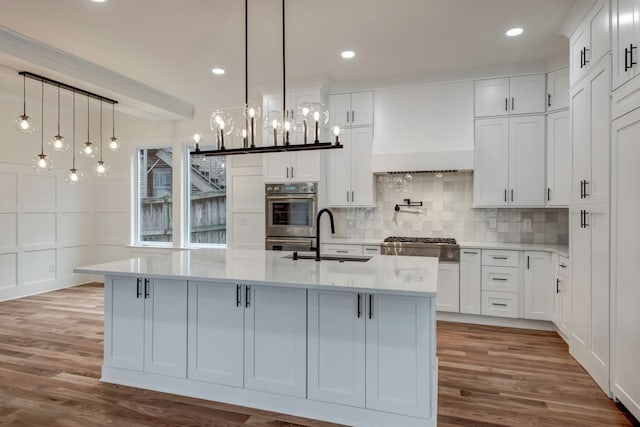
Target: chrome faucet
{"x":333,"y":230}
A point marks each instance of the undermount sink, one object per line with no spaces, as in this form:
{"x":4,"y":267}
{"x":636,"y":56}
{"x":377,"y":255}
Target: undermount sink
{"x":339,"y":258}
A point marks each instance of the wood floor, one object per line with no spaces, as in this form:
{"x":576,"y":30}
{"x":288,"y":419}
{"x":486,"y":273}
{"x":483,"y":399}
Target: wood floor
{"x":51,"y":353}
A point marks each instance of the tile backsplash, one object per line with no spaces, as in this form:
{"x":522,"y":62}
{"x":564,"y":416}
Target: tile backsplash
{"x":447,"y":212}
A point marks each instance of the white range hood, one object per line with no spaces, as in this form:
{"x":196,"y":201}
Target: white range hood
{"x":424,"y":128}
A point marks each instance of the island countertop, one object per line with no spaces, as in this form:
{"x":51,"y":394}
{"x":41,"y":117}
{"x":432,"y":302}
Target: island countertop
{"x":408,"y":275}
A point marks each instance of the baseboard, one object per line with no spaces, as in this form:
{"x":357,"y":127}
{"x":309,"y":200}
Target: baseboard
{"x":507,"y":322}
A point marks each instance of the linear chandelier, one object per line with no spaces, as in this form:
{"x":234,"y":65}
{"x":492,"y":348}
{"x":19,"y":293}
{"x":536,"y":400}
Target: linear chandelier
{"x":57,"y":143}
{"x":280,"y":123}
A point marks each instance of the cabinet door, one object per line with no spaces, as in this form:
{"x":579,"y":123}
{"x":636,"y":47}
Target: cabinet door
{"x":625,"y":381}
{"x":398,"y":342}
{"x":340,"y":108}
{"x":577,"y":43}
{"x":580,"y":140}
{"x":598,"y":23}
{"x":538,"y":286}
{"x":123,"y":323}
{"x":361,"y":171}
{"x":491,"y":174}
{"x":275,"y":357}
{"x":558,"y":159}
{"x":526,"y":161}
{"x":216,"y":333}
{"x":305,"y":166}
{"x":297,"y":99}
{"x":581,"y":276}
{"x":600,"y":92}
{"x":566,"y":311}
{"x":361,"y":109}
{"x":165,"y":328}
{"x":448,"y":298}
{"x":527,"y":94}
{"x":336,"y":347}
{"x":276,"y":167}
{"x":626,"y":36}
{"x":339,"y":173}
{"x":558,"y":89}
{"x":470,"y":281}
{"x":556,"y":315}
{"x":491,"y":97}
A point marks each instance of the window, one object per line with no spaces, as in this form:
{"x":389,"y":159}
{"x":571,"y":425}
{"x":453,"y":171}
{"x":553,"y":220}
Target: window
{"x":207,"y":200}
{"x":155,"y":195}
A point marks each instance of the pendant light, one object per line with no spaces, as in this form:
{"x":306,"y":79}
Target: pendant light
{"x":57,"y":143}
{"x":74,"y":176}
{"x":88,"y":149}
{"x":114,"y":144}
{"x":22,"y":122}
{"x":101,"y":168}
{"x":42,"y":162}
{"x":251,"y":111}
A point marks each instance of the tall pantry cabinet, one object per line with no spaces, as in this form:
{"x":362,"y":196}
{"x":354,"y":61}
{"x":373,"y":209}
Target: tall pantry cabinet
{"x":589,"y":339}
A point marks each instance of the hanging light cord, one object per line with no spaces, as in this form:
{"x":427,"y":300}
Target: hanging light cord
{"x":284,"y":73}
{"x":88,"y":120}
{"x":74,"y":131}
{"x":58,"y":110}
{"x":42,"y":116}
{"x":24,"y":95}
{"x":100,"y":130}
{"x":246,"y":54}
{"x":113,"y":120}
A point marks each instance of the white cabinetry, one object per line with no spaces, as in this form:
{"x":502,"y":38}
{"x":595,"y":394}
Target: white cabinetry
{"x":349,"y":173}
{"x":352,"y":109}
{"x":625,"y":29}
{"x":292,"y":167}
{"x":500,"y":283}
{"x":377,"y":340}
{"x":448,"y":298}
{"x":538,"y":286}
{"x":470,"y":281}
{"x":625,"y":205}
{"x":349,"y":249}
{"x":590,"y":41}
{"x":148,"y":328}
{"x":513,"y":95}
{"x":562,"y":302}
{"x":590,"y":124}
{"x":509,"y":161}
{"x":272,"y":105}
{"x":558,"y":159}
{"x":558,"y":89}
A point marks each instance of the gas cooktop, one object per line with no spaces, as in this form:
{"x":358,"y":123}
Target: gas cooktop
{"x":445,"y":249}
{"x":426,"y":240}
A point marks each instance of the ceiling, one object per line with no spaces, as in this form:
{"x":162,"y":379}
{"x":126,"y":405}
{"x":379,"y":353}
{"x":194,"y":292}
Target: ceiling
{"x":172,"y":45}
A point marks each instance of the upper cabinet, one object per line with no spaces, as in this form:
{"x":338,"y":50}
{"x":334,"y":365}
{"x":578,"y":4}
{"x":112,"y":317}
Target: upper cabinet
{"x":558,"y":159}
{"x":273,"y":104}
{"x":352,"y":109}
{"x":558,"y":89}
{"x":293,"y":166}
{"x":626,"y":38}
{"x":513,"y":95}
{"x":590,"y":41}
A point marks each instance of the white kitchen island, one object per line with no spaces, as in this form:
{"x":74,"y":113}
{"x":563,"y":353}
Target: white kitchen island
{"x":346,"y":342}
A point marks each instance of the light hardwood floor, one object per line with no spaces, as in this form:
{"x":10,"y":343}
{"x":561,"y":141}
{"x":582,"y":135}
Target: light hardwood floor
{"x":51,"y":353}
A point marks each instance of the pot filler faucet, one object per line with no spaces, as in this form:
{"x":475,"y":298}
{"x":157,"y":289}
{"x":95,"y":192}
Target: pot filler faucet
{"x":333,"y":230}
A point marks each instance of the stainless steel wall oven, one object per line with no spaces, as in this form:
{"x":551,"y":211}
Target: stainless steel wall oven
{"x":290,"y":215}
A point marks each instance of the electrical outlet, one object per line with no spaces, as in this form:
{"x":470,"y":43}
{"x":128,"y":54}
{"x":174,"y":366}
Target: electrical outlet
{"x":493,"y":223}
{"x":52,"y":268}
{"x":526,"y":225}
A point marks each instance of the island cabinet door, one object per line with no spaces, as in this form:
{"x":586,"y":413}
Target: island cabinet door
{"x":400,"y":345}
{"x":336,"y":347}
{"x":216,"y":333}
{"x":275,"y":357}
{"x":165,"y":335}
{"x":123,"y":323}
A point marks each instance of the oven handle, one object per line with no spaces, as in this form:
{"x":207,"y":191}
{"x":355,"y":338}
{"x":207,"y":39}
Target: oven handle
{"x":292,"y":197}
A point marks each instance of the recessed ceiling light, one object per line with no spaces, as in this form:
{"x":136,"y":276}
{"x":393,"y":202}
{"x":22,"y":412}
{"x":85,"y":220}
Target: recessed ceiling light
{"x":348,"y":54}
{"x":218,"y":71}
{"x":98,"y":1}
{"x":514,"y":32}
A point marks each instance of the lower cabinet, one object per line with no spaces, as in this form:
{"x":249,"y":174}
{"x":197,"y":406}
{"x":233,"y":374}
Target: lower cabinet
{"x":252,"y":337}
{"x":470,"y":281}
{"x":147,"y":328}
{"x":562,"y":307}
{"x":538,"y":286}
{"x":378,"y":340}
{"x":448,"y":298}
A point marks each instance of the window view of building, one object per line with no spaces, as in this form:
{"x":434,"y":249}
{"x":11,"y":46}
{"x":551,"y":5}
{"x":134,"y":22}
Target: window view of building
{"x":208,"y":200}
{"x":155,"y":198}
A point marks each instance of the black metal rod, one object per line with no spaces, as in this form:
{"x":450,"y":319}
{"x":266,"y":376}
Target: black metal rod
{"x":246,"y":53}
{"x":268,"y":149}
{"x":52,"y":82}
{"x":284,"y":73}
{"x":42,"y":118}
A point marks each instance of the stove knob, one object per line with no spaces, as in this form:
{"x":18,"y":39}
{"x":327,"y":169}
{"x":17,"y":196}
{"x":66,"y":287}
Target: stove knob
{"x":450,"y":254}
{"x":304,"y":188}
{"x":276,"y":188}
{"x":269,"y":189}
{"x":311,"y":188}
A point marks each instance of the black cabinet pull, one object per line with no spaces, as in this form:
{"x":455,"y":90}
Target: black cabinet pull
{"x":631,"y":61}
{"x":146,"y":288}
{"x":585,"y":56}
{"x":505,"y":195}
{"x":512,"y":194}
{"x":506,"y":104}
{"x":138,"y":291}
{"x":581,"y":218}
{"x":347,"y":117}
{"x":513,"y":103}
{"x":549,"y":100}
{"x":238,"y":297}
{"x":499,"y":304}
{"x":370,"y":306}
{"x":581,"y":58}
{"x":626,"y":57}
{"x":528,"y":266}
{"x":499,"y":279}
{"x":500,"y":257}
{"x":247,"y":293}
{"x":563,"y":265}
{"x":353,"y":116}
{"x":582,"y":190}
{"x":585,"y":188}
{"x":586,"y":224}
{"x":548,"y":194}
{"x":359,"y":305}
{"x":557,"y":286}
{"x":470,"y":253}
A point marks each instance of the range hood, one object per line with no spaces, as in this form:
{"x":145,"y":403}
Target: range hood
{"x":424,"y":161}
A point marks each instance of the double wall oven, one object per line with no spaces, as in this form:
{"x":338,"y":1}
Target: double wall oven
{"x":290,"y":214}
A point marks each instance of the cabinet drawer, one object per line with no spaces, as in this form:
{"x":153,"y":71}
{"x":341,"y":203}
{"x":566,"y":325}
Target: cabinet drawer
{"x":503,"y":279}
{"x":500,"y":258}
{"x":341,"y":249}
{"x":625,"y":99}
{"x":563,"y":267}
{"x":502,"y":304}
{"x":370,"y":250}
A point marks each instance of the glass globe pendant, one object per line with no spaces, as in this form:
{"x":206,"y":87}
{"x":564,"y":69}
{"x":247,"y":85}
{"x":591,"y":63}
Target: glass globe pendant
{"x":221,"y":123}
{"x":101,"y":167}
{"x":251,"y":115}
{"x":23,"y":123}
{"x":74,"y":176}
{"x":114,"y":144}
{"x":57,"y":143}
{"x":87,"y":149}
{"x":41,"y":162}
